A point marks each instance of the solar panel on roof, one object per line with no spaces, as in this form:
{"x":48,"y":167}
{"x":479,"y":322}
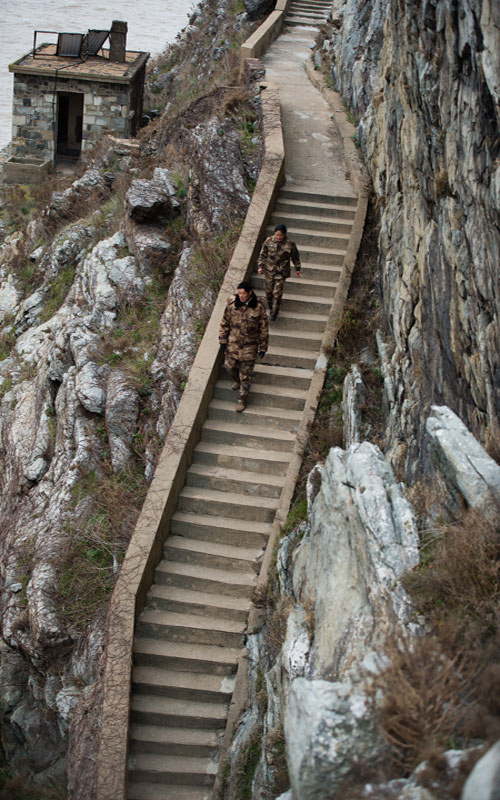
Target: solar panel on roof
{"x":95,"y":40}
{"x":69,"y":44}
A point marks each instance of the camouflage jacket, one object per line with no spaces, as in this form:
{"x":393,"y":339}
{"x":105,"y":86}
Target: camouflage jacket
{"x":244,"y":328}
{"x":275,"y":256}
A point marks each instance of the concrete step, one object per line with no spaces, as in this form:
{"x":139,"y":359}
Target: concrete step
{"x":201,"y":742}
{"x":333,"y":256}
{"x":270,"y":462}
{"x":309,"y":222}
{"x":155,"y":710}
{"x":262,"y":438}
{"x":183,"y":685}
{"x":265,"y":395}
{"x":290,"y":357}
{"x":321,"y":272}
{"x":294,"y":339}
{"x":306,"y":12}
{"x":284,"y":376}
{"x":220,"y":529}
{"x":304,"y":194}
{"x":159,"y":768}
{"x":236,"y":556}
{"x":227,"y":504}
{"x":189,"y":657}
{"x":168,"y":625}
{"x":296,"y":301}
{"x":201,"y":579}
{"x":304,"y":286}
{"x":297,"y":5}
{"x":307,"y":238}
{"x":224,"y":479}
{"x":311,"y":323}
{"x":172,"y":598}
{"x":303,"y":22}
{"x":145,"y":790}
{"x":295,"y":204}
{"x":281,"y":418}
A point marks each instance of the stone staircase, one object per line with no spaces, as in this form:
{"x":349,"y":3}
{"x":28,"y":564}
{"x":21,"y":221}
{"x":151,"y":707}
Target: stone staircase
{"x":308,"y":13}
{"x":191,"y":631}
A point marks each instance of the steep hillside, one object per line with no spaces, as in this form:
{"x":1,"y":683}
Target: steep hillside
{"x":106,"y":285}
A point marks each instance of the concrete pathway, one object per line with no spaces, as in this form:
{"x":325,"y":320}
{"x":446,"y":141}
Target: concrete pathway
{"x":190,"y":634}
{"x":314,"y":156}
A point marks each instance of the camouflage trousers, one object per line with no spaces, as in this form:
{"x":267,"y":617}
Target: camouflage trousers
{"x":241,"y":372}
{"x":274,"y":284}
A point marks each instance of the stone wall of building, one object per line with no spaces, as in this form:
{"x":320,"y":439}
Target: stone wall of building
{"x":106,"y":106}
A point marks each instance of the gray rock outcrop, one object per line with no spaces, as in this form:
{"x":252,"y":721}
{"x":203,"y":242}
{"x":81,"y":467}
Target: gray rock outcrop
{"x":484,"y":780}
{"x":147,"y":200}
{"x":258,"y":8}
{"x":424,"y":84}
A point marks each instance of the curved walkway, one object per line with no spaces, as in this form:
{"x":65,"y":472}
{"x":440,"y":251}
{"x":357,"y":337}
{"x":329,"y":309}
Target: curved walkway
{"x":314,"y":156}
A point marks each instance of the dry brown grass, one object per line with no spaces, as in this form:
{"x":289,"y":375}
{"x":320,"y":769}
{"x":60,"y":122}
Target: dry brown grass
{"x":276,"y":625}
{"x":460,"y":577}
{"x":442,"y":689}
{"x":427,"y":697}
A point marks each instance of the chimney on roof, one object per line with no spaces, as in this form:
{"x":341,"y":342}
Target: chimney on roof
{"x":117,"y":41}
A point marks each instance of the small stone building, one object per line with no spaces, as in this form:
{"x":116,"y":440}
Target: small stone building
{"x":66,"y":94}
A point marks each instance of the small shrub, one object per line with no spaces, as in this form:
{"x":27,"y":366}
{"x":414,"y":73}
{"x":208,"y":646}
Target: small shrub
{"x":108,"y":507}
{"x":246,"y":766}
{"x":461,"y":579}
{"x":426,"y":698}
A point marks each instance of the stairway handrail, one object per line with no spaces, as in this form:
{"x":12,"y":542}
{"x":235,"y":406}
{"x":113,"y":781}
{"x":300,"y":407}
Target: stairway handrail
{"x":145,"y":548}
{"x":267,"y":32}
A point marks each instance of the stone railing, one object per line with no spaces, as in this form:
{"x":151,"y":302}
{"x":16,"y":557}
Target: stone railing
{"x":145,"y":548}
{"x":266,"y":33}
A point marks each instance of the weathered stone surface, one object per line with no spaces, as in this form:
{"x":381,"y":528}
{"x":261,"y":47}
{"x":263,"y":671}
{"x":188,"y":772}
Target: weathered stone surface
{"x":147,"y":200}
{"x":352,"y":400}
{"x":465,"y":465}
{"x":149,"y":244}
{"x":217,"y":188}
{"x":328,"y":732}
{"x":258,"y":8}
{"x":356,"y":574}
{"x":484,"y":780}
{"x":89,"y":389}
{"x":425,"y":84}
{"x":122,"y":410}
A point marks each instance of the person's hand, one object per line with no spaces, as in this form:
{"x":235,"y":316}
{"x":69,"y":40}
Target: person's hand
{"x":259,"y":271}
{"x":223,"y":346}
{"x":298,"y":273}
{"x":261,"y":353}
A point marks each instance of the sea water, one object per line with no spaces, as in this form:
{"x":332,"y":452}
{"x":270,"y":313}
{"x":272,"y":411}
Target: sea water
{"x":152,"y":25}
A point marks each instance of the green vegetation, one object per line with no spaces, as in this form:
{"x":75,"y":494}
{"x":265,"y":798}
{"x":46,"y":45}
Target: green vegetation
{"x":247,"y":764}
{"x":106,"y":509}
{"x":59,"y":288}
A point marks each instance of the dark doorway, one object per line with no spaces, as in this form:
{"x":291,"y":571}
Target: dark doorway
{"x":69,"y":124}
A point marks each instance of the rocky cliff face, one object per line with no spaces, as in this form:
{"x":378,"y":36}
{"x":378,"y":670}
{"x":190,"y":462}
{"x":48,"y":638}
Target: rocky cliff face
{"x":103,"y":299}
{"x":424,"y":80}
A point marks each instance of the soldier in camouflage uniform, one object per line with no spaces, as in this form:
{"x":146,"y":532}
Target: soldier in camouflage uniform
{"x":243,"y":333}
{"x":274,"y":261}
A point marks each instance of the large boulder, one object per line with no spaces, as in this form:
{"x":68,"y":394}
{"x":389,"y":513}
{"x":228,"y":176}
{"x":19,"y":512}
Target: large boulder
{"x":258,"y":8}
{"x":149,"y":200}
